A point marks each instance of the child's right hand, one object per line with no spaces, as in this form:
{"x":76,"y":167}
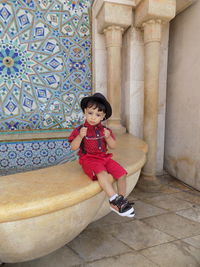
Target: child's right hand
{"x":83,"y":132}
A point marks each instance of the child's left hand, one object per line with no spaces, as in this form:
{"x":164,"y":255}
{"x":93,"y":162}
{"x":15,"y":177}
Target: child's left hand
{"x":106,"y":133}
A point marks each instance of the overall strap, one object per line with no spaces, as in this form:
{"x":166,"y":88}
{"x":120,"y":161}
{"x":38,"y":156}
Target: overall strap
{"x":82,"y":142}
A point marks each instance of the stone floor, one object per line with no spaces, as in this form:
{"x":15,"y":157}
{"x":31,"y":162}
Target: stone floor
{"x":165,"y":232}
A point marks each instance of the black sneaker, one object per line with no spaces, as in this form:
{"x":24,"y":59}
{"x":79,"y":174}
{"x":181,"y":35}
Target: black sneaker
{"x":122,"y":207}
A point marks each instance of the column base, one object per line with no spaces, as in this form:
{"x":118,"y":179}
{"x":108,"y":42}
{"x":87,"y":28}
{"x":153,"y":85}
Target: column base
{"x":149,"y":183}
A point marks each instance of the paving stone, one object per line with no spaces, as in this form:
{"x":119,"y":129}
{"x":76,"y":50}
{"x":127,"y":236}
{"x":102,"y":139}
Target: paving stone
{"x":177,"y":254}
{"x":192,"y":213}
{"x":143,"y":210}
{"x":139,"y":194}
{"x":61,"y":258}
{"x":168,"y":189}
{"x":174,"y":225}
{"x":137,"y":234}
{"x":111,"y":218}
{"x":93,"y":244}
{"x":169,"y":202}
{"x":173,"y":182}
{"x":194,"y":241}
{"x":178,"y":185}
{"x":191,"y":196}
{"x":125,"y":260}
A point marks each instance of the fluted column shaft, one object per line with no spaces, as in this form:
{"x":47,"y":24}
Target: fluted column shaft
{"x":152,"y":38}
{"x":113,"y":38}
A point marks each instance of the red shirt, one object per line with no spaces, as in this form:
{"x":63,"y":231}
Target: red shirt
{"x":94,"y":141}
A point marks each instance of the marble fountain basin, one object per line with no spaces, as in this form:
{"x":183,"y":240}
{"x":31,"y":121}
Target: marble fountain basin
{"x":42,"y":210}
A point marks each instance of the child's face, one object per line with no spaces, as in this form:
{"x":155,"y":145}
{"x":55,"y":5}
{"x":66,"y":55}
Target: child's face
{"x":93,"y":116}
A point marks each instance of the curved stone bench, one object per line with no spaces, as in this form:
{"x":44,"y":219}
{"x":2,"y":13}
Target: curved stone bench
{"x":42,"y":210}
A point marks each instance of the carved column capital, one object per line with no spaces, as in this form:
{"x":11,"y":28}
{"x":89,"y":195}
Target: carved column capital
{"x":113,"y":36}
{"x":152,"y":30}
{"x":113,"y":28}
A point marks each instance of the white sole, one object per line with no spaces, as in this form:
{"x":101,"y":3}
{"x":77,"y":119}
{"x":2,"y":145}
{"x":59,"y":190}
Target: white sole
{"x":131,"y":215}
{"x":124,"y":214}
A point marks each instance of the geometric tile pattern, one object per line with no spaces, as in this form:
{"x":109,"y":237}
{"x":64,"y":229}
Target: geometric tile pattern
{"x":29,"y":155}
{"x":45,"y":63}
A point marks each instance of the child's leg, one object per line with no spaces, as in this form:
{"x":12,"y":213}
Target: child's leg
{"x":121,"y":185}
{"x":117,"y":202}
{"x":105,"y":183}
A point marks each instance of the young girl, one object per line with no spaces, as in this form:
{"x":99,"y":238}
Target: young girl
{"x":92,"y":140}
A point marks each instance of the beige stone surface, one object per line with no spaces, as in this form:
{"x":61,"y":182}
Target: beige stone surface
{"x":183,"y":4}
{"x":132,"y":116}
{"x":185,"y":252}
{"x":169,"y":202}
{"x":193,"y":240}
{"x":152,"y":38}
{"x":133,"y":81}
{"x":134,"y":232}
{"x":192,"y":213}
{"x":191,"y":196}
{"x":112,"y":19}
{"x":110,"y":218}
{"x":64,"y":256}
{"x":35,"y":237}
{"x":151,"y":9}
{"x":40,"y":211}
{"x":50,"y":189}
{"x":183,"y":116}
{"x":125,"y":260}
{"x":31,"y":135}
{"x":133,"y":86}
{"x":94,"y":244}
{"x":177,"y":253}
{"x":174,"y":225}
{"x":113,"y":40}
{"x":112,"y":14}
{"x":145,"y":210}
{"x":97,"y":4}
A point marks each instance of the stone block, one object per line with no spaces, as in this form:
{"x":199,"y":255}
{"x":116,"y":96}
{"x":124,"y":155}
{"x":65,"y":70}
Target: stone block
{"x":155,"y":9}
{"x":114,"y":14}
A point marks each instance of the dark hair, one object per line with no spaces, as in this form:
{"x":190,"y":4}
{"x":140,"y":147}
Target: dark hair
{"x":94,"y":104}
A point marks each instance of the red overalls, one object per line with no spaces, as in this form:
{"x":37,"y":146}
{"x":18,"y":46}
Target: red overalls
{"x":92,"y":156}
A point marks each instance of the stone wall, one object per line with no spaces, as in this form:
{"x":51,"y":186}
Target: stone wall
{"x":182,"y":143}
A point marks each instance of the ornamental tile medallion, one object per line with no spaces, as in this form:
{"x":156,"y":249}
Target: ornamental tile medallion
{"x":45,"y":63}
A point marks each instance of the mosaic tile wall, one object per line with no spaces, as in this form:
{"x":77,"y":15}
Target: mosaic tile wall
{"x":45,"y":69}
{"x":45,"y":63}
{"x":30,"y":155}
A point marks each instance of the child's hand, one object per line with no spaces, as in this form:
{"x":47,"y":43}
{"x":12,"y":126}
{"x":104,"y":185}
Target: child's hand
{"x":83,"y":132}
{"x":106,"y":133}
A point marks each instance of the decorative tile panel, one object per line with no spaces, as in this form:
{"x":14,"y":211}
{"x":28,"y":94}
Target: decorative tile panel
{"x":45,"y":63}
{"x":30,"y":155}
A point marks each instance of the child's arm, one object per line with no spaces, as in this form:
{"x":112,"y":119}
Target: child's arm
{"x":109,"y":140}
{"x":75,"y":144}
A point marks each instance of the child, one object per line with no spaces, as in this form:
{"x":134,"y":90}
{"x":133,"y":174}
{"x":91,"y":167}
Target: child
{"x":91,"y":139}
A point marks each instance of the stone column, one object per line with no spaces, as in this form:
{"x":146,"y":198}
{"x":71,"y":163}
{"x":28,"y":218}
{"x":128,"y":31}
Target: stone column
{"x":112,"y":18}
{"x":113,"y":39}
{"x":149,"y":15}
{"x":152,"y":39}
